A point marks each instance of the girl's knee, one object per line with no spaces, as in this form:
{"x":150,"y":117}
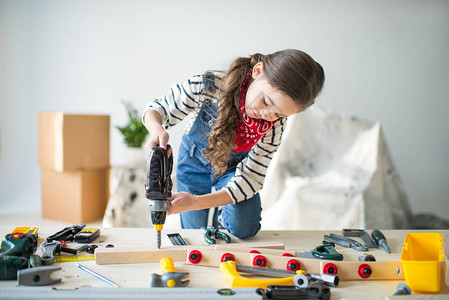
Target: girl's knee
{"x":244,"y":232}
{"x":194,"y":219}
{"x":241,"y":228}
{"x":242,"y":220}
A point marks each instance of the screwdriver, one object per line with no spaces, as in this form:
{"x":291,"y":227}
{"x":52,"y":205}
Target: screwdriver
{"x":379,"y":238}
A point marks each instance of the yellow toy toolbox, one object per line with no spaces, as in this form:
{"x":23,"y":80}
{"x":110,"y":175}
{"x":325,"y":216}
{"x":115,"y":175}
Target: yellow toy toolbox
{"x":421,"y":257}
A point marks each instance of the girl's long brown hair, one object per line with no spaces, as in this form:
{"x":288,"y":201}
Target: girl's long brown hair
{"x":291,"y":71}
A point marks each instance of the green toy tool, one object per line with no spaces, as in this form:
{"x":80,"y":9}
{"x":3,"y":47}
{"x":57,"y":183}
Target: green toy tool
{"x":325,"y":251}
{"x":211,"y":232}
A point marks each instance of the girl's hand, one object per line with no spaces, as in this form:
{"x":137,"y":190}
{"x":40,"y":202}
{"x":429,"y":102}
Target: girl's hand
{"x":181,"y":202}
{"x":158,"y":137}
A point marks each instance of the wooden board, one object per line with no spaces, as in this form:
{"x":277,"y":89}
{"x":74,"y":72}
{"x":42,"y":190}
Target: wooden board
{"x":260,"y":250}
{"x":252,"y":245}
{"x":130,"y":255}
{"x":380,"y":270}
{"x":212,"y":258}
{"x":346,"y":270}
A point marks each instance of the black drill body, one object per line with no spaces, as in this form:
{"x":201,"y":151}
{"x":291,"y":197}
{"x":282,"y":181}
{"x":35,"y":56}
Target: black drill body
{"x":158,"y":185}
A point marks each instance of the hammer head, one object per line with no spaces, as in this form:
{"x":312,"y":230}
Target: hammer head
{"x":37,"y":276}
{"x":170,"y":279}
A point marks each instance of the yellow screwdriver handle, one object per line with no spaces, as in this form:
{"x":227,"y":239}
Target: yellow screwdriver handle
{"x":167,"y":265}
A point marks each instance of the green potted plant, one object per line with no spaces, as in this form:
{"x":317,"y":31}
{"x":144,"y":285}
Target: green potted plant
{"x":134,"y":135}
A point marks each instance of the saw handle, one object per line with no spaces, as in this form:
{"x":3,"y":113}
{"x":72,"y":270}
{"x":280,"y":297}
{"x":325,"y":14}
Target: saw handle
{"x":229,"y":270}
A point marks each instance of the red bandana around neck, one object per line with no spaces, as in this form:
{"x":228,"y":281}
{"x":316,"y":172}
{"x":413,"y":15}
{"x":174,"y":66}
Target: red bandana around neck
{"x":249,"y":131}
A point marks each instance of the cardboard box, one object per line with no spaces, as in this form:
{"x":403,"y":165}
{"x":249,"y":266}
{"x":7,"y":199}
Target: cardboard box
{"x":74,"y":197}
{"x":73,"y":142}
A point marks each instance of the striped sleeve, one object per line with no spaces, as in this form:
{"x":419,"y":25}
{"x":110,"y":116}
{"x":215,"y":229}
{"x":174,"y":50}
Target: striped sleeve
{"x":250,"y":173}
{"x":181,"y":99}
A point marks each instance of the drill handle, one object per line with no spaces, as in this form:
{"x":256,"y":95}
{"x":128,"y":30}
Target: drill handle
{"x":66,"y":234}
{"x":168,"y":181}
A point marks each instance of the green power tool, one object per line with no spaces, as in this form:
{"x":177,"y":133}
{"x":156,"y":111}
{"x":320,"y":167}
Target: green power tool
{"x":17,"y":249}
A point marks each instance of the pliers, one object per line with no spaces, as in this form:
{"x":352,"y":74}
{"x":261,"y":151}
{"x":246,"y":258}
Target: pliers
{"x":345,"y":242}
{"x":211,"y":232}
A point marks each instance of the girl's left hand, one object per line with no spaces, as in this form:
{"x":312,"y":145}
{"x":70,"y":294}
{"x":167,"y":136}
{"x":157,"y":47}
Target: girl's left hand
{"x":181,"y":202}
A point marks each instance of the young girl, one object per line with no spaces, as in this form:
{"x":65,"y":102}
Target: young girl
{"x":236,"y":126}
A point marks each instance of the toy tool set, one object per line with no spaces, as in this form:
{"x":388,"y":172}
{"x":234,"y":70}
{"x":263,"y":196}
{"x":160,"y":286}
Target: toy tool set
{"x":251,"y":270}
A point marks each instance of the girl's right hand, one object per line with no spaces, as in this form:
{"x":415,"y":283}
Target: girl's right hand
{"x":158,"y":137}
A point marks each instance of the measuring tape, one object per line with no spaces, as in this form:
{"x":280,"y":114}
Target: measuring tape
{"x":127,"y":293}
{"x":74,"y":258}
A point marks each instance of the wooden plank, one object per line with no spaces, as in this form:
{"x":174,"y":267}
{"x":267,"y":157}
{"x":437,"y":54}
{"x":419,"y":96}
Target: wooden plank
{"x":132,"y":255}
{"x":309,"y":265}
{"x":269,"y":245}
{"x":380,"y":270}
{"x":212,"y":258}
{"x":346,"y":270}
{"x":260,"y":250}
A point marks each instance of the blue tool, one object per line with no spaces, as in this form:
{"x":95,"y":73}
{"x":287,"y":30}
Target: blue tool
{"x":102,"y":278}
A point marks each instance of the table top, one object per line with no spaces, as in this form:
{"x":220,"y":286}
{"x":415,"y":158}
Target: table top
{"x":138,"y":275}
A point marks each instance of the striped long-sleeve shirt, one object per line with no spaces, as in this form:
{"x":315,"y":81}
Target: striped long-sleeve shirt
{"x":187,"y":98}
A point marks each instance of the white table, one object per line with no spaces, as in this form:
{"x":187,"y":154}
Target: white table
{"x":138,"y":275}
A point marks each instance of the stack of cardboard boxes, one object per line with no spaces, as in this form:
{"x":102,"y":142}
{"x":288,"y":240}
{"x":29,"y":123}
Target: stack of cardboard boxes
{"x":74,"y":158}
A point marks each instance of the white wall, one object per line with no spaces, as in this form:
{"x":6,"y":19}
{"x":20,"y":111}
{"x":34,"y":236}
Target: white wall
{"x":384,"y":60}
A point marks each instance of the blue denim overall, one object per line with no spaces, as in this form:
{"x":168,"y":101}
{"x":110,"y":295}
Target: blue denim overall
{"x":195,"y":175}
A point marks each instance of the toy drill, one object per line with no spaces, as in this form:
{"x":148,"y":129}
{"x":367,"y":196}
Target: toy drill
{"x":158,"y":186}
{"x":17,"y":250}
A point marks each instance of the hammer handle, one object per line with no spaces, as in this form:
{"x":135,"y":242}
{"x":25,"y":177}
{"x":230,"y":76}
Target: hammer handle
{"x":167,"y":265}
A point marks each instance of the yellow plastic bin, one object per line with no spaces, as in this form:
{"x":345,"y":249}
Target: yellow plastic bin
{"x":421,"y":257}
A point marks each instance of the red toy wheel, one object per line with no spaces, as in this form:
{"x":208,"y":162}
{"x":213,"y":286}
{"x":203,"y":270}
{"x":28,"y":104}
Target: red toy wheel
{"x":365,"y":271}
{"x":195,"y":256}
{"x":227,"y":256}
{"x":259,"y":261}
{"x":330,"y":268}
{"x":293,"y":265}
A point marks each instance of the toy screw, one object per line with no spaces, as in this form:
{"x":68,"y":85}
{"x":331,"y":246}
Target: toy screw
{"x":402,"y":289}
{"x":367,"y":257}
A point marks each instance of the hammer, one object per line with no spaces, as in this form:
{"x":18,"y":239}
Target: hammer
{"x":37,"y":276}
{"x":169,"y":277}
